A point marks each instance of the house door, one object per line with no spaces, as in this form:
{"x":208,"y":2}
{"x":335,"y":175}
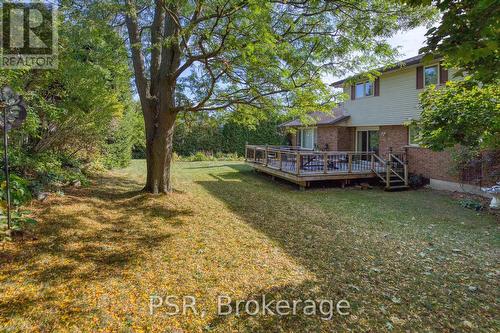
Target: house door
{"x":367,"y":141}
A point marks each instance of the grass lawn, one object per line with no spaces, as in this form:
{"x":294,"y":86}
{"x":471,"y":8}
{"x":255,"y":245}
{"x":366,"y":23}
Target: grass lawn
{"x":407,"y":261}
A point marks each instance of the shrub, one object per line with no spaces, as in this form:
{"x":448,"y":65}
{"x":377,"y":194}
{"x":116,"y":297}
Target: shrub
{"x":200,"y":156}
{"x":417,"y":181}
{"x":471,"y":204}
{"x":222,"y":135}
{"x":122,"y":140}
{"x":228,"y":157}
{"x":19,"y":191}
{"x":205,"y":156}
{"x":20,"y":224}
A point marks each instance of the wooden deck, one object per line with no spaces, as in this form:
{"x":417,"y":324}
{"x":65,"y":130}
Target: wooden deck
{"x":304,"y":166}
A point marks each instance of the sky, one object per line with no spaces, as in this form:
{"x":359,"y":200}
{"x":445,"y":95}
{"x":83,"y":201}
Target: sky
{"x":408,"y":43}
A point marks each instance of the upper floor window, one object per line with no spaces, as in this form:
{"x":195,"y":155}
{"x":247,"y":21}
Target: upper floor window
{"x":364,"y":89}
{"x":431,"y":75}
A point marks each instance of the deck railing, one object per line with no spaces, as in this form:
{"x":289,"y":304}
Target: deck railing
{"x":399,"y":166}
{"x":297,"y":161}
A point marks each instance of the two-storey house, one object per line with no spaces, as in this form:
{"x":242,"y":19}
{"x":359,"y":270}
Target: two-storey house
{"x":375,"y":118}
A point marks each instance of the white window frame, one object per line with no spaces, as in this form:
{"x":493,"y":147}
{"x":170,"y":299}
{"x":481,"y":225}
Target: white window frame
{"x":438,"y":74}
{"x":364,"y":89}
{"x":415,"y":144}
{"x":315,"y":137}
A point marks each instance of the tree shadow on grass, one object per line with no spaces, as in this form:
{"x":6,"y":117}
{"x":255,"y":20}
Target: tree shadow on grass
{"x":383,"y":276}
{"x":273,"y":310}
{"x":89,"y":234}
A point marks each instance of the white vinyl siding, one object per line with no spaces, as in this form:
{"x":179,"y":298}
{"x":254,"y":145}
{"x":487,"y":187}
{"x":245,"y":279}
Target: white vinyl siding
{"x":396,"y":105}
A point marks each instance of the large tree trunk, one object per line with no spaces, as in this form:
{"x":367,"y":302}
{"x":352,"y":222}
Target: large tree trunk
{"x":157,"y":94}
{"x":159,"y":143}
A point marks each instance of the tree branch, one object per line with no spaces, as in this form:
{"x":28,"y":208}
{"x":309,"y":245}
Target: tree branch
{"x":136,"y":50}
{"x":159,"y":16}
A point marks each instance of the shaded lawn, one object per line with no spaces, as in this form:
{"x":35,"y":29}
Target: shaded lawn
{"x":411,"y":260}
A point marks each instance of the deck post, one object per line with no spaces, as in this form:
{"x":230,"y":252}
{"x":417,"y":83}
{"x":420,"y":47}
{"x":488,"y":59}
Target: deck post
{"x":325,"y":162}
{"x":388,"y":173}
{"x":265,"y":156}
{"x":297,"y":163}
{"x":405,"y":165}
{"x":349,"y":157}
{"x":281,"y":164}
{"x":373,"y":161}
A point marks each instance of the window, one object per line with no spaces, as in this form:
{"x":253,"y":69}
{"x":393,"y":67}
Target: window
{"x":307,"y":138}
{"x":413,"y":135}
{"x":431,"y":75}
{"x":367,"y":141}
{"x":368,"y":89}
{"x":360,"y":90}
{"x":364,"y":89}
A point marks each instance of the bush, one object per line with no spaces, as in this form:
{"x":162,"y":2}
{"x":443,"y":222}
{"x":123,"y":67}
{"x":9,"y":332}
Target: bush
{"x":221,"y":136}
{"x":471,"y":204}
{"x":123,"y":140}
{"x":19,"y":191}
{"x":79,"y":114}
{"x":201,"y":156}
{"x":228,"y":157}
{"x":417,"y":181}
{"x":205,"y":156}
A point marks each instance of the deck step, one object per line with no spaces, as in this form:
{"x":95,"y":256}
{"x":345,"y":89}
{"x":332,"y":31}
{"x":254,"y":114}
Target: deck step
{"x":397,"y":188}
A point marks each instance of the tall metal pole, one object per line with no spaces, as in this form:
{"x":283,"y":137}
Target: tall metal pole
{"x":6,"y":164}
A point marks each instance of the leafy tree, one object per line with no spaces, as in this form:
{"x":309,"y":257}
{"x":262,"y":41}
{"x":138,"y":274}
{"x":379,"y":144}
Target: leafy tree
{"x":236,"y":134}
{"x":195,"y":56}
{"x":467,"y":36}
{"x":124,"y":134}
{"x":71,"y":109}
{"x":462,"y":113}
{"x":201,"y":132}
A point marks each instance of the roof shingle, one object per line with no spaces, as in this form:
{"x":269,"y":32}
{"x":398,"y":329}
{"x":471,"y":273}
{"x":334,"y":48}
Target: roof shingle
{"x":406,"y":62}
{"x":319,"y":118}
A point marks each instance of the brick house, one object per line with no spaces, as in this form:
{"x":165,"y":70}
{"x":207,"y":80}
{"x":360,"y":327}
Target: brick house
{"x":374,"y":119}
